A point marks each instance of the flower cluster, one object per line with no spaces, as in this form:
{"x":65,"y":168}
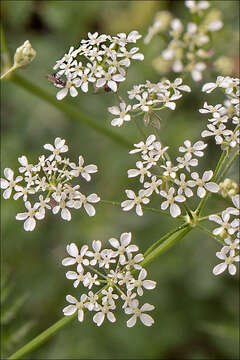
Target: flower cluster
{"x":228,"y":230}
{"x":116,"y":274}
{"x":224,"y":122}
{"x":172,"y":182}
{"x":102,"y":60}
{"x":148,"y":97}
{"x":189,"y":46}
{"x":51,"y":177}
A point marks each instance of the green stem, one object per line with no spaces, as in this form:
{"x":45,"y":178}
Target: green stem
{"x":169,"y":242}
{"x":45,"y":335}
{"x":163,"y":238}
{"x":69,"y":110}
{"x":117,"y":203}
{"x":202,"y":228}
{"x":229,"y":164}
{"x":8,"y":72}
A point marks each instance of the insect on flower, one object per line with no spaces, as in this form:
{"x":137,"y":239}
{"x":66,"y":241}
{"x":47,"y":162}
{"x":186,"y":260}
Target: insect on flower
{"x":55,"y":80}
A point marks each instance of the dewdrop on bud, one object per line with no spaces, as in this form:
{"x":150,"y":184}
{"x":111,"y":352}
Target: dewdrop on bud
{"x":228,"y":188}
{"x":24,"y":54}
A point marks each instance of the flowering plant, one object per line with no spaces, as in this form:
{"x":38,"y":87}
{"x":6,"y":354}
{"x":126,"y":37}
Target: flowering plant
{"x":179,"y":185}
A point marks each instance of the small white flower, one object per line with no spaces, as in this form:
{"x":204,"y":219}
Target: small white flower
{"x":30,"y":215}
{"x":123,"y":246}
{"x":144,"y":102}
{"x":228,"y":263}
{"x":56,"y":149}
{"x":78,"y":276}
{"x":76,"y":256}
{"x":122,"y":112}
{"x":68,"y":87}
{"x":104,"y":311}
{"x":85,"y":171}
{"x":109,"y":297}
{"x":219,"y":132}
{"x":135,"y":200}
{"x":195,"y":149}
{"x":142,"y":171}
{"x":186,"y":162}
{"x":139,"y":313}
{"x":90,"y":280}
{"x":62,"y":205}
{"x":128,"y":298}
{"x":204,"y":183}
{"x":236,"y":209}
{"x":223,"y":221}
{"x":85,"y":200}
{"x":171,"y":199}
{"x":144,"y":147}
{"x":110,"y":79}
{"x":96,"y":255}
{"x":107,"y":258}
{"x":170,"y":170}
{"x":183,"y":186}
{"x":152,"y":186}
{"x":26,"y":167}
{"x":75,"y":306}
{"x":141,"y":283}
{"x":10,"y":183}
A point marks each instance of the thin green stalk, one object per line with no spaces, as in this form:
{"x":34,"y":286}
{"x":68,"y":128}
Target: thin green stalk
{"x":202,"y":228}
{"x":117,"y":203}
{"x":69,"y":110}
{"x":44,"y":336}
{"x":169,"y":242}
{"x":229,"y":164}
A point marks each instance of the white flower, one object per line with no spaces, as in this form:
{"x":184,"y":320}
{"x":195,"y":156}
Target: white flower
{"x":142,"y":171}
{"x":152,"y":186}
{"x":174,"y":208}
{"x":223,"y":221}
{"x":68,"y":87}
{"x":109,"y":297}
{"x":85,"y":200}
{"x":170,"y":170}
{"x":110,"y":79}
{"x":141,"y":283}
{"x":219,"y":108}
{"x":203,"y":184}
{"x":144,"y":102}
{"x":144,"y":147}
{"x":227,"y":264}
{"x":195,"y":149}
{"x":209,"y":87}
{"x":135,"y":200}
{"x":10,"y":183}
{"x":22,"y":191}
{"x":78,"y":276}
{"x":96,"y":255}
{"x":128,"y":298}
{"x":183,"y":186}
{"x":122,"y":112}
{"x":186,"y":162}
{"x":236,"y":202}
{"x":90,"y":280}
{"x":139,"y":313}
{"x":58,"y":148}
{"x":26,"y":167}
{"x":63,"y":204}
{"x":107,"y":258}
{"x":218,"y":132}
{"x":85,"y":171}
{"x":231,"y":246}
{"x":30,"y":215}
{"x":133,"y":261}
{"x":104,"y":311}
{"x":177,"y":85}
{"x":122,"y":246}
{"x":76,"y":256}
{"x":43,"y":204}
{"x":76,"y":306}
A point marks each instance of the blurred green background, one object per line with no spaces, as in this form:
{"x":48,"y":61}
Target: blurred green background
{"x":196,"y":314}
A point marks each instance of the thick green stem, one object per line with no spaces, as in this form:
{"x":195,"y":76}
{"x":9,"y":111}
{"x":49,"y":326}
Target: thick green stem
{"x":44,"y":336}
{"x":69,"y":110}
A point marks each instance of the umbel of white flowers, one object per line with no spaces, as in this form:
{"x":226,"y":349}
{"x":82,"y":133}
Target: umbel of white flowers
{"x":52,"y":177}
{"x":189,"y":45}
{"x":101,"y":60}
{"x":112,"y":275}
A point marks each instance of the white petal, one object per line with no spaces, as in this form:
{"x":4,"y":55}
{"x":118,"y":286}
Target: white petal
{"x":98,"y":318}
{"x":61,"y":94}
{"x":4,"y":184}
{"x":212,"y":187}
{"x":146,"y":319}
{"x":8,"y":173}
{"x":69,"y":310}
{"x":132,"y":321}
{"x":65,"y":214}
{"x":175,"y":210}
{"x":72,"y":250}
{"x":218,"y":269}
{"x":89,"y":209}
{"x":30,"y":224}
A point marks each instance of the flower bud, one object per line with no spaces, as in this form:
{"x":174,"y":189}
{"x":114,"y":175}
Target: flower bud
{"x":24,"y":54}
{"x":228,"y":188}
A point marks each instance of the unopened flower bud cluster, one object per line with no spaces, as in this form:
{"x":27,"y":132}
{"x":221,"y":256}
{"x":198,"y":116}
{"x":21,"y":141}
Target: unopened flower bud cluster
{"x":24,"y":54}
{"x":51,"y":177}
{"x":228,"y":231}
{"x":101,"y":60}
{"x":148,"y":98}
{"x":188,"y":48}
{"x":110,"y":275}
